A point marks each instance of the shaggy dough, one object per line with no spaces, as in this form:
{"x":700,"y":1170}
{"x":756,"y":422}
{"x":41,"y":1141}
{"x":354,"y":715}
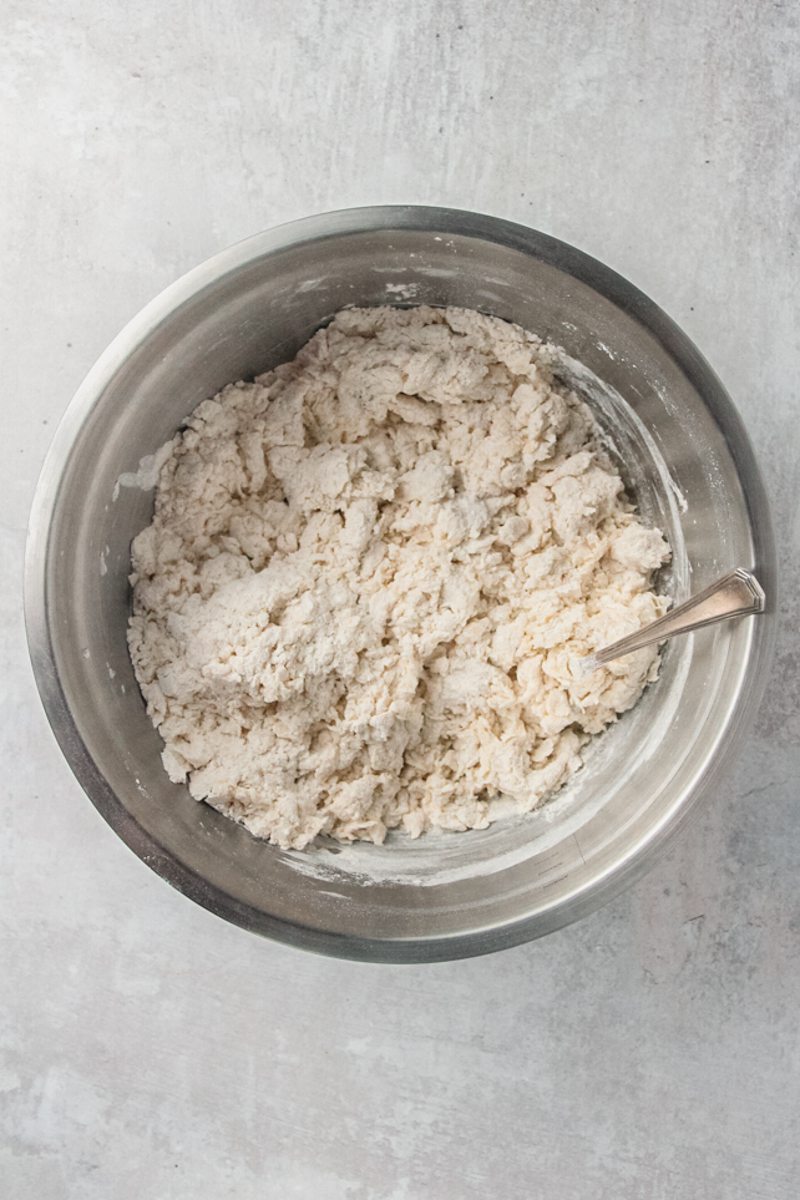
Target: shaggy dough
{"x":368,"y":576}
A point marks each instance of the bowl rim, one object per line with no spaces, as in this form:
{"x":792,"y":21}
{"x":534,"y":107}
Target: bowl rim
{"x":606,"y":883}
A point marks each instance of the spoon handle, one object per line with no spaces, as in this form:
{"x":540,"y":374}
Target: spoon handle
{"x":733,"y":595}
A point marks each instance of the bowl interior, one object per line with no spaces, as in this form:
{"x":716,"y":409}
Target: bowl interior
{"x":248,"y":310}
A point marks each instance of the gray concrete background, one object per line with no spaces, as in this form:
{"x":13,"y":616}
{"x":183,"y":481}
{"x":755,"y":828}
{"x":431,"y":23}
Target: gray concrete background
{"x":147,"y":1050}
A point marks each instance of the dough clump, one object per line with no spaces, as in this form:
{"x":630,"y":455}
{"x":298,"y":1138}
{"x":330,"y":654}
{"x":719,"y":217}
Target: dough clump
{"x":370,"y":573}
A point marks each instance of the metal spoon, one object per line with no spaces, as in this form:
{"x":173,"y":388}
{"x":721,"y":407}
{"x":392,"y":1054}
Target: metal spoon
{"x":733,"y":595}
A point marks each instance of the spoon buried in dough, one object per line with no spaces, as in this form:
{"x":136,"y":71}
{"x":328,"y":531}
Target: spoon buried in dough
{"x":736,"y":594}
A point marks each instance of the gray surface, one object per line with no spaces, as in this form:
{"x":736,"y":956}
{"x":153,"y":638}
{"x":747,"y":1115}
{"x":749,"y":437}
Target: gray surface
{"x":149,"y":1050}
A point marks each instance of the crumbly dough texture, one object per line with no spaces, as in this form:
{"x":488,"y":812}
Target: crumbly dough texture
{"x":369,"y":574}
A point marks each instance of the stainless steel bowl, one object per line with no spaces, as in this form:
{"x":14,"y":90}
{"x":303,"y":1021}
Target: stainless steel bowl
{"x":252,"y":306}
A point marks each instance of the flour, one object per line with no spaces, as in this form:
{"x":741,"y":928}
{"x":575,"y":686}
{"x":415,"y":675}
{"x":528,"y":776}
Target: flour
{"x":370,"y":574}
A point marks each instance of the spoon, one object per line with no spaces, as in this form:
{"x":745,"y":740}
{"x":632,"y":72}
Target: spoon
{"x":736,"y":594}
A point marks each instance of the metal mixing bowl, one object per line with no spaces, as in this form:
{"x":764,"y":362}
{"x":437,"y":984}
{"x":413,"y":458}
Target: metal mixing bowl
{"x":251,"y":307}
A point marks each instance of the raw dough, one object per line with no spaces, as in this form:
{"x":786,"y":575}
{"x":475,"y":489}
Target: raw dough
{"x":369,"y":573}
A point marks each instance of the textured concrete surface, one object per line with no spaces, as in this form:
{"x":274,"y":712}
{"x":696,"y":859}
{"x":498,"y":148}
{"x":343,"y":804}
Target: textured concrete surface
{"x":146,"y":1049}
